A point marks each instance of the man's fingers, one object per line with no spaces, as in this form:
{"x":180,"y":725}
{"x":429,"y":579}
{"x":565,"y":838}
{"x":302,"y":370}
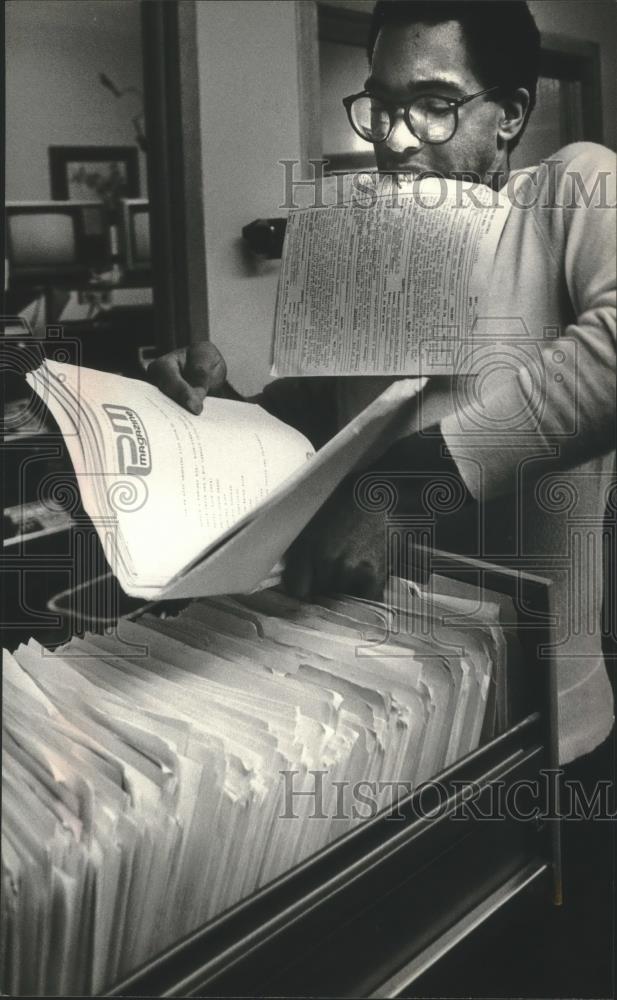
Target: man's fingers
{"x":197,"y":370}
{"x":166,"y":374}
{"x":188,"y":374}
{"x":205,"y":367}
{"x":195,"y":398}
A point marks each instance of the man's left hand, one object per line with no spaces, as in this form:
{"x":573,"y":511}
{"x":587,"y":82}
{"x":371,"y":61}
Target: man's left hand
{"x":342,"y":550}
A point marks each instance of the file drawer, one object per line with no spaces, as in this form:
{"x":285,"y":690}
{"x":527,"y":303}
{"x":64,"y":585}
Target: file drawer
{"x":368,"y":914}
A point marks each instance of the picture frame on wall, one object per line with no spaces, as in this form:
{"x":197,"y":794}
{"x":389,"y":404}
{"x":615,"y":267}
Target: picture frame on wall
{"x":94,"y":173}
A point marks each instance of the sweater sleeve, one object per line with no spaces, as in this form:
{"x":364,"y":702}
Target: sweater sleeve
{"x":571,"y":418}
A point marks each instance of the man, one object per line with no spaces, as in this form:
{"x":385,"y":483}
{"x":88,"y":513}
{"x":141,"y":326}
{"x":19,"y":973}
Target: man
{"x":526,"y":445}
{"x":535,"y":418}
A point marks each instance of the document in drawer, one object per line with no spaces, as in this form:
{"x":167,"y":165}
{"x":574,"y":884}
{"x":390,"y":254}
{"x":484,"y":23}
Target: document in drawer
{"x":157,"y":775}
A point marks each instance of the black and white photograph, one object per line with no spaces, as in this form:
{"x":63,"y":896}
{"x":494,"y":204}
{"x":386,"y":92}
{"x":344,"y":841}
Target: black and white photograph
{"x":308,"y":594}
{"x":80,"y":173}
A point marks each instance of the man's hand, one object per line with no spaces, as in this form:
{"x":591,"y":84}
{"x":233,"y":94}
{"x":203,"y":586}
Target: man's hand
{"x":342,"y":550}
{"x":188,"y":374}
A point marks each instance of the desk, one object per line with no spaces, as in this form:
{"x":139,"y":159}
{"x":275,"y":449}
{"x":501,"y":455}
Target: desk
{"x":109,"y":341}
{"x":56,"y":293}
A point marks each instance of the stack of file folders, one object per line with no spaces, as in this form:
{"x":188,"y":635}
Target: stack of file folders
{"x":152,"y":774}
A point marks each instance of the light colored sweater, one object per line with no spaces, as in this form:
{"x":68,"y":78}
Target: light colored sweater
{"x":532,"y":434}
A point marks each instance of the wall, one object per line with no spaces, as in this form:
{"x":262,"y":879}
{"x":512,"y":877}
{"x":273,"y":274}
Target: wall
{"x":54,"y":52}
{"x":249,"y":106}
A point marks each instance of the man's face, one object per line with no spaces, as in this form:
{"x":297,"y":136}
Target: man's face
{"x":415,"y":59}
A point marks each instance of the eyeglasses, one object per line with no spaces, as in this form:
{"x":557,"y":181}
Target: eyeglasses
{"x":430,"y":117}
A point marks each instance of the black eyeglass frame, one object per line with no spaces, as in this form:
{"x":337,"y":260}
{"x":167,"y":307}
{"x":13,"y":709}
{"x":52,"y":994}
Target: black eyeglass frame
{"x":452,"y":102}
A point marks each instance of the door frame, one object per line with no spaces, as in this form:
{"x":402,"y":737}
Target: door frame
{"x":175,"y":182}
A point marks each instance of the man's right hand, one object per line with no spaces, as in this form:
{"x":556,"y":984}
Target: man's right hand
{"x":188,"y":374}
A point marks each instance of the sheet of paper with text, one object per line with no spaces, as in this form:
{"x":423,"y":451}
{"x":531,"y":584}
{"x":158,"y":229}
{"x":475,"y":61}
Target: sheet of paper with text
{"x":383,"y":275}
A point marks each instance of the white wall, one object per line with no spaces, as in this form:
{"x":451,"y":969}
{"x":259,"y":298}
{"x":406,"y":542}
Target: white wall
{"x":55,"y":50}
{"x":249,"y":105}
